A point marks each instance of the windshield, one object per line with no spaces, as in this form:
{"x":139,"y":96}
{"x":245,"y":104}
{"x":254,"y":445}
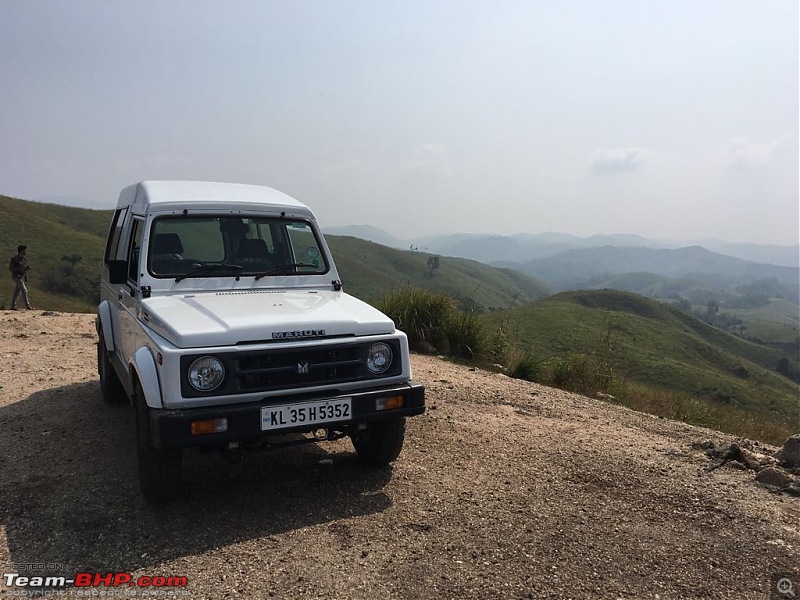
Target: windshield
{"x":227,"y":246}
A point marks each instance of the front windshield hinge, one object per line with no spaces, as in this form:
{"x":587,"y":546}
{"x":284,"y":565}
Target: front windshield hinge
{"x":337,"y":285}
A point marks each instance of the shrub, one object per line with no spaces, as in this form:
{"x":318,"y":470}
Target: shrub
{"x":421,"y":314}
{"x":433,"y":322}
{"x":465,"y":334}
{"x":498,"y":344}
{"x":68,"y":279}
{"x":580,"y":373}
{"x":557,"y":373}
{"x":767,"y":426}
{"x":527,"y":368}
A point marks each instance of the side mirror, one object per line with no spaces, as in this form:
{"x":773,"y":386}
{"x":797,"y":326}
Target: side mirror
{"x":118,"y":271}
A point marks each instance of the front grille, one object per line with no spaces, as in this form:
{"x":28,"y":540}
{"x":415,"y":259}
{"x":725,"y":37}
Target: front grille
{"x":264,"y":371}
{"x":281,"y":368}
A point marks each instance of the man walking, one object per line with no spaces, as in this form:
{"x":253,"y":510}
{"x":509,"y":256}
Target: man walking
{"x":18,"y":265}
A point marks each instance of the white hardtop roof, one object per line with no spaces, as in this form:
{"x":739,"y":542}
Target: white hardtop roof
{"x":151,"y":194}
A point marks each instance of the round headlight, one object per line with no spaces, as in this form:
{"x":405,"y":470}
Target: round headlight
{"x":206,"y":374}
{"x":379,"y":358}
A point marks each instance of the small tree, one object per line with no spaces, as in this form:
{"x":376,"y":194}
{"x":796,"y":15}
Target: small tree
{"x":433,"y":264}
{"x":69,"y":278}
{"x":712,"y":309}
{"x":72,"y":259}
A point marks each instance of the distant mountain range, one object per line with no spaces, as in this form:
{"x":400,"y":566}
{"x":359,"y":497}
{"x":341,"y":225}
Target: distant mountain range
{"x":786,"y":256}
{"x":655,"y":269}
{"x":747,"y":276}
{"x":524,"y":247}
{"x":368,"y":233}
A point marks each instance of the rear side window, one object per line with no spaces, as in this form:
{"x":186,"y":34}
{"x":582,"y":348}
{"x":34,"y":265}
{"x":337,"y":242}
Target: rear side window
{"x":135,"y":250}
{"x":115,"y":233}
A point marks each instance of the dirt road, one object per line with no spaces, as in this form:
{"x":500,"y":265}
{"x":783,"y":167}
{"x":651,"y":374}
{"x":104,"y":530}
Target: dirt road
{"x":504,"y":489}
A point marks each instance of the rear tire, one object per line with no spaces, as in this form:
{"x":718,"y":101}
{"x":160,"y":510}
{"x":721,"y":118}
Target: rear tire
{"x":381,"y":442}
{"x":110,"y":386}
{"x":159,"y":470}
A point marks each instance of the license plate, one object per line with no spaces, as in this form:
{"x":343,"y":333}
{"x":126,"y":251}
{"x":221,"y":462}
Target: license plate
{"x":319,"y":412}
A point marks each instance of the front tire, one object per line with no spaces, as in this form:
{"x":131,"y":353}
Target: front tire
{"x":110,"y":386}
{"x":159,"y":470}
{"x":381,"y":442}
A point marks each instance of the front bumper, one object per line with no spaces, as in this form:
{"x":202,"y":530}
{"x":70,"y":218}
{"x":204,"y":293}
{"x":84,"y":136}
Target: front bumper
{"x":172,"y":428}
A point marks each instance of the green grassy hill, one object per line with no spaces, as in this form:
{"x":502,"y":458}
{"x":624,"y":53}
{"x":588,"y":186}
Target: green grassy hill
{"x":656,"y":347}
{"x":370,"y":270}
{"x":24,"y":212}
{"x":50,"y":231}
{"x":777,"y":321}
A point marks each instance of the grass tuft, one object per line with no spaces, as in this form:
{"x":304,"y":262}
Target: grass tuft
{"x":527,"y":368}
{"x":466,"y":336}
{"x":421,"y":314}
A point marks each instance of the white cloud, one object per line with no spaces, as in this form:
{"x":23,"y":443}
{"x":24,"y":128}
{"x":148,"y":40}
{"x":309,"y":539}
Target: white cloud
{"x":617,"y":159}
{"x":742,"y":152}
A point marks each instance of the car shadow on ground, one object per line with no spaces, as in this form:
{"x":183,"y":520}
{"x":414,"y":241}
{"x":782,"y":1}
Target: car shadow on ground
{"x":69,"y":493}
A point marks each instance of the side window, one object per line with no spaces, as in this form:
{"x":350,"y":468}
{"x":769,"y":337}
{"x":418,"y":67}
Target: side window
{"x":306,"y":251}
{"x":134,"y":250}
{"x":114,"y":234}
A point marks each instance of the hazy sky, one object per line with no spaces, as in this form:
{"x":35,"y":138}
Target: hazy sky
{"x":666,"y":118}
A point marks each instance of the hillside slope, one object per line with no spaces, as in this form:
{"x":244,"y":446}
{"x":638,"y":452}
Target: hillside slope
{"x":370,"y":270}
{"x":27,"y":216}
{"x":656,"y":345}
{"x":504,"y":489}
{"x":51,"y":231}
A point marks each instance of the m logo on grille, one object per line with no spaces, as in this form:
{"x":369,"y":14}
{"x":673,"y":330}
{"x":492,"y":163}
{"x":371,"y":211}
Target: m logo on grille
{"x":302,"y":368}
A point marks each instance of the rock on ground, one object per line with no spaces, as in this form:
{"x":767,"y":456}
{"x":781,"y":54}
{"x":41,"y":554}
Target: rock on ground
{"x":789,"y":454}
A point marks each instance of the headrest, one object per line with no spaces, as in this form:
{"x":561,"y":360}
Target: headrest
{"x":256,"y":248}
{"x":167,"y":243}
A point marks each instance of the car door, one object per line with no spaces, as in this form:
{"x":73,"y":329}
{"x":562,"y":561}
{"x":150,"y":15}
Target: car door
{"x":129,"y":294}
{"x":109,"y":292}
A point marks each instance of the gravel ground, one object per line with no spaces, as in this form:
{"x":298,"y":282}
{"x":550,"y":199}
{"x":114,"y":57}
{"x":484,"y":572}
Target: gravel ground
{"x":505,"y":489}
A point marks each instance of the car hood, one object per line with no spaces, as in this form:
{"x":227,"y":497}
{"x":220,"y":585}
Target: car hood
{"x":228,"y":318}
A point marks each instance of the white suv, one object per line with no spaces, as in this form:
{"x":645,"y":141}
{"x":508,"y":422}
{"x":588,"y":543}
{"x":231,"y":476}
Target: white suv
{"x":223,"y":320}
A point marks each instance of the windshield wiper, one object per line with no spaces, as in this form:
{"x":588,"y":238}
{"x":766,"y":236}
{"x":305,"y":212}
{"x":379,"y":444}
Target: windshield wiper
{"x":207,"y":269}
{"x":281,"y":268}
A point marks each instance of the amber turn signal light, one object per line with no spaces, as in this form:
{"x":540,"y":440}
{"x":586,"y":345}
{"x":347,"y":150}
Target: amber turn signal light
{"x":389,"y":403}
{"x":209,"y":426}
